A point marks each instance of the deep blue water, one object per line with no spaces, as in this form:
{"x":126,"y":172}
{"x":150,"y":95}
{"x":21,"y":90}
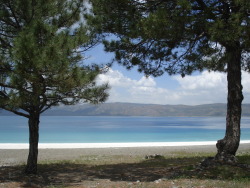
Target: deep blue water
{"x":86,"y":129}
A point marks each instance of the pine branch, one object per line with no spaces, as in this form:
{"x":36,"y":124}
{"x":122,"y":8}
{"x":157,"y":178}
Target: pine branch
{"x":15,"y":111}
{"x":14,"y":15}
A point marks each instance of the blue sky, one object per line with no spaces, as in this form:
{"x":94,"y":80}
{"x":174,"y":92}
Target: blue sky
{"x":131,"y":86}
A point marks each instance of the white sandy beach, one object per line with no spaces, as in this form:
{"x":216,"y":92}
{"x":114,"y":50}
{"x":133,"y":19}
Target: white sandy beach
{"x":108,"y":145}
{"x":101,"y":145}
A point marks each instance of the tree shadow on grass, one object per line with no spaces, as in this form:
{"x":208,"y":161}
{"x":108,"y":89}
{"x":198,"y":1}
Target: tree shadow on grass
{"x":145,"y":171}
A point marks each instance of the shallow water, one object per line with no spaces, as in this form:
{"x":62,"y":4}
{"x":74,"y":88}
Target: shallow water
{"x":92,"y":129}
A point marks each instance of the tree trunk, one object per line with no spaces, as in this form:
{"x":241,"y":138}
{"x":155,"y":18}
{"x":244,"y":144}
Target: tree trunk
{"x":227,"y":147}
{"x":31,"y":167}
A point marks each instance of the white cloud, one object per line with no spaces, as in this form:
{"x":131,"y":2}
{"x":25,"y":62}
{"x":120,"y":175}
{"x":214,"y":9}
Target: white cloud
{"x":207,"y":87}
{"x":124,"y":89}
{"x":204,"y":81}
{"x":147,"y":82}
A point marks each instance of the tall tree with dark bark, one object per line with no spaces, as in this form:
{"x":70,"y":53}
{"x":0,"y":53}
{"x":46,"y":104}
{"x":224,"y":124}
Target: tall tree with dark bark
{"x":41,"y":61}
{"x":179,"y":37}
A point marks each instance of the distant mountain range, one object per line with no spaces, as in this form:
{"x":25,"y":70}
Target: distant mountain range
{"x":132,"y":109}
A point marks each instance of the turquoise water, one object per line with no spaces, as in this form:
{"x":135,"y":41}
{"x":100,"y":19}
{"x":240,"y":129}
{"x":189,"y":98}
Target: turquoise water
{"x":88,"y":129}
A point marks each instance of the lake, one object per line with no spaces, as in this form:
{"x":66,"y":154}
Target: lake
{"x":96,"y":129}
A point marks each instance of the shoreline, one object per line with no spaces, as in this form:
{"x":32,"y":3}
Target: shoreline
{"x":109,"y":145}
{"x":10,"y":157}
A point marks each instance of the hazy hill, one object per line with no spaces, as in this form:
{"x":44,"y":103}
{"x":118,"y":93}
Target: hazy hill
{"x":130,"y":109}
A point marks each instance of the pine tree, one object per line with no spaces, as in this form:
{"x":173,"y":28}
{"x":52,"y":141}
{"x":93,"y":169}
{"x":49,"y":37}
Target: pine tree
{"x":180,"y":37}
{"x":41,"y":61}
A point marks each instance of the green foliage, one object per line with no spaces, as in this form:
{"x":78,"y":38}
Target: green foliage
{"x":175,"y":36}
{"x":41,"y":56}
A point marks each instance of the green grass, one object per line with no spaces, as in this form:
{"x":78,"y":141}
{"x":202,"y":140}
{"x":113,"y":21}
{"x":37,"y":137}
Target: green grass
{"x":176,"y":169}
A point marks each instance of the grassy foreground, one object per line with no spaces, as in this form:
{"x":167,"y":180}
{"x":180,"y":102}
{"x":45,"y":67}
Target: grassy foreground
{"x":175,"y":170}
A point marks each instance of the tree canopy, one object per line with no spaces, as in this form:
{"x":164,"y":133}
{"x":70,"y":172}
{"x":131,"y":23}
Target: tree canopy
{"x":41,"y":56}
{"x":174,"y":36}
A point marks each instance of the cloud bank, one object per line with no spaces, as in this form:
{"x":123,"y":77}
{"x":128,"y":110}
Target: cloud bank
{"x":205,"y":88}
